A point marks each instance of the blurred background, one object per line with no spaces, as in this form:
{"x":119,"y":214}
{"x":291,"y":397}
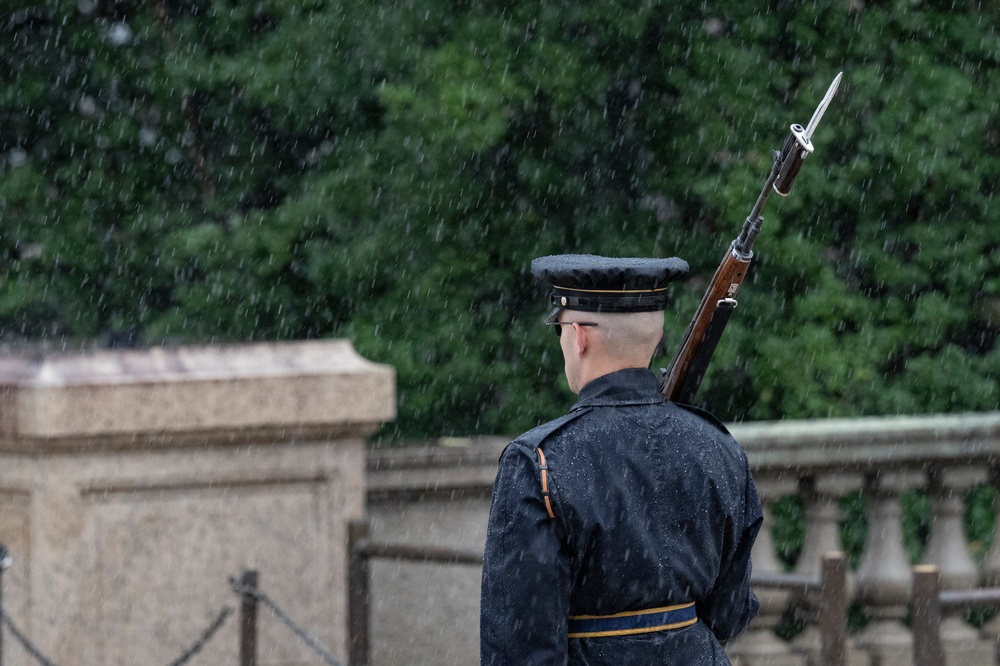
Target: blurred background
{"x":208,"y":171}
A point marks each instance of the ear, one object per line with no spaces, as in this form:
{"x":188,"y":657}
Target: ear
{"x":582,"y":338}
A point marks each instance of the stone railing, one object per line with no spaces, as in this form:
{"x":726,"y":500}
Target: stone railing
{"x":823,"y":460}
{"x":439,"y":495}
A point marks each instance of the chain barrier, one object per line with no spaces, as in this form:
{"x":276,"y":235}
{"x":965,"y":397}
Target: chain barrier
{"x":23,"y":640}
{"x":185,"y":656}
{"x":255,"y":592}
{"x":205,"y":637}
{"x":239,"y":588}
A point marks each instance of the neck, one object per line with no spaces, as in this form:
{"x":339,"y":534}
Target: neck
{"x":591,"y":371}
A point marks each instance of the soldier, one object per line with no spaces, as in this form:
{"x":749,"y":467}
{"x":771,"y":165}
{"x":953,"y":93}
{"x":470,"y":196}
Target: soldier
{"x":621,"y":532}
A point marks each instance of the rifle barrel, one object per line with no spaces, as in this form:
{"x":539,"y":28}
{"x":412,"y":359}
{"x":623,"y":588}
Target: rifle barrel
{"x":751,"y":226}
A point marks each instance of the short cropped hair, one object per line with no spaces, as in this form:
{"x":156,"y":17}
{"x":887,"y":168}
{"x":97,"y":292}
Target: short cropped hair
{"x":628,"y":336}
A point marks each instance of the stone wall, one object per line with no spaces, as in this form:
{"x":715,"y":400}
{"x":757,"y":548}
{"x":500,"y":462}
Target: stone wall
{"x":135,"y":483}
{"x":436,"y":495}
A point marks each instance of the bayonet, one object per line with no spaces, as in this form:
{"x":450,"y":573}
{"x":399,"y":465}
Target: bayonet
{"x":821,"y":109}
{"x":799,"y":144}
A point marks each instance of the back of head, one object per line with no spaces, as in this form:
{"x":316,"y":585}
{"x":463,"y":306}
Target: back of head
{"x":628,"y":338}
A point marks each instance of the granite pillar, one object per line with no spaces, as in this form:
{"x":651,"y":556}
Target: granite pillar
{"x":135,"y":483}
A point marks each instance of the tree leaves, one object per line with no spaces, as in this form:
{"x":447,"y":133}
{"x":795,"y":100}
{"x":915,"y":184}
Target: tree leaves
{"x":218,"y":171}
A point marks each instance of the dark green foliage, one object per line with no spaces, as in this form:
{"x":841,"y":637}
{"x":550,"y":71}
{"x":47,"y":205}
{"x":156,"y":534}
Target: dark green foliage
{"x":213,"y":170}
{"x":979,"y":517}
{"x":854,"y":526}
{"x":788,"y":515}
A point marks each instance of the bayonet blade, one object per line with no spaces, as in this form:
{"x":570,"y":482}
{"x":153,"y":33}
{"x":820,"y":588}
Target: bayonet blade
{"x":821,"y":109}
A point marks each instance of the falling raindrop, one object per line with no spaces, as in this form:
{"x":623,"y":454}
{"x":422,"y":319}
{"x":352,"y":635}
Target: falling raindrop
{"x":17,"y":157}
{"x":120,"y":34}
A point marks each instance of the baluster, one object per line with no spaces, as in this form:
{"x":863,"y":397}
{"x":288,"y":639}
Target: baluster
{"x":821,"y":495}
{"x":759,"y":645}
{"x":991,"y":563}
{"x":883,"y":577}
{"x":947,"y":548}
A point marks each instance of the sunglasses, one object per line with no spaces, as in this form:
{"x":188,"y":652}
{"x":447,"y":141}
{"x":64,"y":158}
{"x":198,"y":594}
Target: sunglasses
{"x":560,"y":324}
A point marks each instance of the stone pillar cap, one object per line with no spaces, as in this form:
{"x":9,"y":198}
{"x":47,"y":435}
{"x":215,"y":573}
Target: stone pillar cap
{"x":169,"y":395}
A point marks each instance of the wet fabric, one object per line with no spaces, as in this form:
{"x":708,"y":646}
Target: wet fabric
{"x":654,"y":506}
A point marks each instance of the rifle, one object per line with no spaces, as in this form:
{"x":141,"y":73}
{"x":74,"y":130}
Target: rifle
{"x":687,"y":368}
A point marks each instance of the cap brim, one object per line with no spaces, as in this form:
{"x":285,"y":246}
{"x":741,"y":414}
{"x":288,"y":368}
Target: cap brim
{"x":554,"y":315}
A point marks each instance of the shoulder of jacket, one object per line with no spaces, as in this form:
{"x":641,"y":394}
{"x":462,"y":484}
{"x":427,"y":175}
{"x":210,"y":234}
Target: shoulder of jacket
{"x":706,"y":416}
{"x":535,"y":437}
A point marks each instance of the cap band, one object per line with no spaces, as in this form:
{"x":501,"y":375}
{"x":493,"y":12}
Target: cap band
{"x":613,"y":291}
{"x":609,"y":301}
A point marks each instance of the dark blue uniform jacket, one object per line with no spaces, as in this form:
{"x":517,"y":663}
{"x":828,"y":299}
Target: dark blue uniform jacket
{"x":655,"y":506}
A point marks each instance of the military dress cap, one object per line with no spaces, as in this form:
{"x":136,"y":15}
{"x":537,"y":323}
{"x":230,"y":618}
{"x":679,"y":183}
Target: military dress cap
{"x":591,"y":283}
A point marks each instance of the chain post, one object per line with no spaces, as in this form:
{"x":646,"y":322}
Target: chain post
{"x":927,"y":648}
{"x":248,"y":619}
{"x":358,"y":577}
{"x":833,"y":613}
{"x":5,"y":561}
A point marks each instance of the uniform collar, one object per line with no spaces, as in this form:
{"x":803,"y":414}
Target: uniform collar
{"x":632,"y":386}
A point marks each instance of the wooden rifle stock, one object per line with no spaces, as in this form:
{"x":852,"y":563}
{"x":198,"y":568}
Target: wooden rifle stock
{"x":687,"y":368}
